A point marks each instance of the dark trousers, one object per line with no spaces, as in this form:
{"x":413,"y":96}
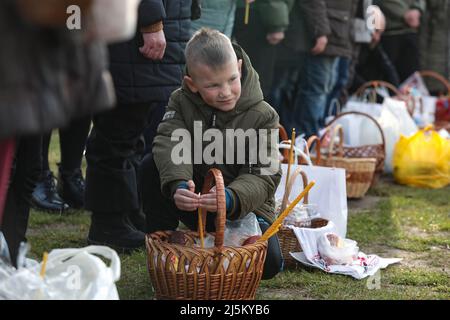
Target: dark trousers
{"x":24,"y":174}
{"x":403,"y":51}
{"x":113,"y":153}
{"x":154,"y":118}
{"x":162,"y":214}
{"x":72,"y":142}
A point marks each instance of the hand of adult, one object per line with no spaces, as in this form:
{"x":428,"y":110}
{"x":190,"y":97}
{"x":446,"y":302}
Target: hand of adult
{"x":321,"y":44}
{"x":275,"y":37}
{"x":412,"y":18}
{"x":187,"y":199}
{"x":154,"y":45}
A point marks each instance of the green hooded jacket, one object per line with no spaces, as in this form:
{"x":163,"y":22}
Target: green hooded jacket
{"x":254,"y":191}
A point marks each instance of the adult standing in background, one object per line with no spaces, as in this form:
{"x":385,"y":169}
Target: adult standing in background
{"x":435,"y":42}
{"x":268,"y":20}
{"x":400,"y":39}
{"x":145,"y":71}
{"x":319,"y":32}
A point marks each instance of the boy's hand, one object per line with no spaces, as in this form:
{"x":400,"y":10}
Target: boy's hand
{"x":412,"y":18}
{"x":187,"y":199}
{"x":154,"y":45}
{"x":208,"y":201}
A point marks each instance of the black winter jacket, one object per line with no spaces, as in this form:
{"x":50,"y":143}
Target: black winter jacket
{"x":140,"y":80}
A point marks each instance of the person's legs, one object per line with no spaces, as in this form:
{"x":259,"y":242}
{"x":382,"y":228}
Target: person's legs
{"x":410,"y":61}
{"x":274,"y":259}
{"x":403,"y":51}
{"x":24,"y":174}
{"x":339,"y":82}
{"x":112,"y":153}
{"x":7,"y":151}
{"x":155,"y":116}
{"x":315,"y":85}
{"x":72,"y":140}
{"x":45,"y":195}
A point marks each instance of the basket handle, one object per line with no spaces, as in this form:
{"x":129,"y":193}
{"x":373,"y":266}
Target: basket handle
{"x":337,"y":130}
{"x":364,"y":115}
{"x":309,"y":144}
{"x":215,"y":176}
{"x":291,"y":181}
{"x":375,"y":84}
{"x":436,"y":76}
{"x":284,"y":137}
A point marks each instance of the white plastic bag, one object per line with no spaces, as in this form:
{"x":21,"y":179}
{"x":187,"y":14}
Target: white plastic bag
{"x":237,"y":231}
{"x":71,"y":274}
{"x":337,"y":251}
{"x":392,"y":116}
{"x":114,"y":20}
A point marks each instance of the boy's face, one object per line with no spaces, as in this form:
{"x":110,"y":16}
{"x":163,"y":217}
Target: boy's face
{"x":221,"y":87}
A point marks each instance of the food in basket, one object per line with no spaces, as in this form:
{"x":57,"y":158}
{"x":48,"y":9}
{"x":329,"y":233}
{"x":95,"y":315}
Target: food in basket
{"x":177,"y":237}
{"x":251,"y":240}
{"x":302,"y":215}
{"x":337,"y":251}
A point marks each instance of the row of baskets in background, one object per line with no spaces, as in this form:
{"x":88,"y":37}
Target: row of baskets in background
{"x":363,"y":164}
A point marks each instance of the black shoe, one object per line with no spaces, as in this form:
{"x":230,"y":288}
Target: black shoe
{"x":45,"y":196}
{"x":71,"y":187}
{"x":115,"y":231}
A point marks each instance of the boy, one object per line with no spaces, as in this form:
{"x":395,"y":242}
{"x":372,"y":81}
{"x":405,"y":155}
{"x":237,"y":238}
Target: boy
{"x":220,"y":92}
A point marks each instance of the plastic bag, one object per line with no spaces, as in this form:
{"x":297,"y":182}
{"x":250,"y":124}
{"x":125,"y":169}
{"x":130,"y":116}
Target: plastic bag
{"x":423,"y":160}
{"x":302,"y":215}
{"x":337,"y":251}
{"x":71,"y":274}
{"x":237,"y":231}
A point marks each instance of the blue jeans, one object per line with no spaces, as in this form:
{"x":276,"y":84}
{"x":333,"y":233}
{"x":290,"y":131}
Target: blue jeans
{"x":341,"y":77}
{"x":316,"y":81}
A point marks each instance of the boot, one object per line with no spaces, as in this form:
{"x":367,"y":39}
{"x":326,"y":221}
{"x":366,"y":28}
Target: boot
{"x":71,"y":187}
{"x":114,"y":230}
{"x":45,"y":196}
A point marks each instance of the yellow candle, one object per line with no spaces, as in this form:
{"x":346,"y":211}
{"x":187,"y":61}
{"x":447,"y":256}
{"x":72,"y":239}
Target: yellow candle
{"x":44,"y":264}
{"x":277,"y":224}
{"x":247,"y":12}
{"x":200,"y":226}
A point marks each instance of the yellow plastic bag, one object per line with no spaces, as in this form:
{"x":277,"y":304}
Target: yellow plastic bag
{"x":422,"y":160}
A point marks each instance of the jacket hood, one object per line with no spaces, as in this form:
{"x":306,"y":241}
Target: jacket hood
{"x":251,"y":93}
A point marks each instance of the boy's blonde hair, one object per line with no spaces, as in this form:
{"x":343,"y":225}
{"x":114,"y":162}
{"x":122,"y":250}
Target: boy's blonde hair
{"x":209,"y":47}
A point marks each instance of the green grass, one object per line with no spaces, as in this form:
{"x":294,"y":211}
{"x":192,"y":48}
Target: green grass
{"x":410,"y":223}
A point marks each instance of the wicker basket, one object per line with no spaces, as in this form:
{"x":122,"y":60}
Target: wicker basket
{"x":286,"y":236}
{"x":377,"y":151}
{"x":185,"y":272}
{"x":359,"y":171}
